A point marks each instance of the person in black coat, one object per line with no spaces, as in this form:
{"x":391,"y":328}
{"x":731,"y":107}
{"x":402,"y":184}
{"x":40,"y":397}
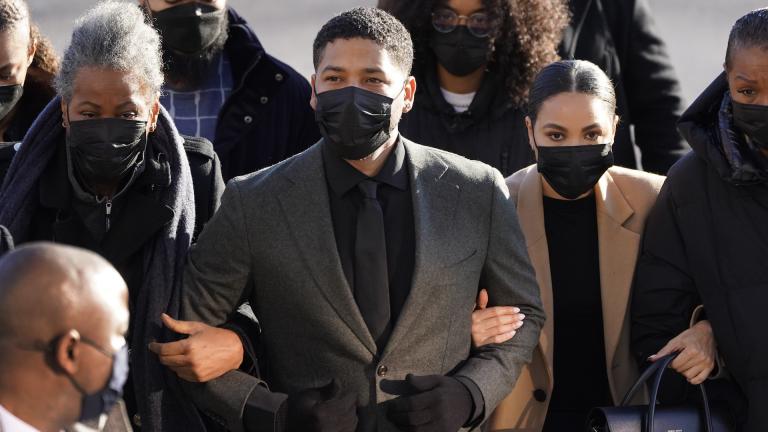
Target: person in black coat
{"x":26,"y":87}
{"x":474,"y":73}
{"x":104,"y":168}
{"x":222,"y":85}
{"x":620,"y":36}
{"x":706,"y":241}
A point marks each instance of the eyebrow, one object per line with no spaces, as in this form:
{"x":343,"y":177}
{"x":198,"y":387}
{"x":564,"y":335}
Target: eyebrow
{"x":331,"y":68}
{"x":88,"y":103}
{"x":446,"y":6}
{"x":373,"y":70}
{"x":554,"y":126}
{"x":127,"y":104}
{"x":743,"y":78}
{"x":592,"y":126}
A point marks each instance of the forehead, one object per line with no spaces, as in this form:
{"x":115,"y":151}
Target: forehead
{"x":104,"y":83}
{"x":752,"y":59}
{"x":574,"y":108}
{"x":14,"y":42}
{"x":357,"y":54}
{"x":463,"y":6}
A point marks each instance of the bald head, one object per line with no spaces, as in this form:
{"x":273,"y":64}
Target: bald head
{"x":63,"y":316}
{"x":47,"y":289}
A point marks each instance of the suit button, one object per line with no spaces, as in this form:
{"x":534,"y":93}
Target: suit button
{"x":382,"y":371}
{"x":279,"y":77}
{"x":247,"y":119}
{"x":136,"y":420}
{"x":540,"y":395}
{"x":264,"y":100}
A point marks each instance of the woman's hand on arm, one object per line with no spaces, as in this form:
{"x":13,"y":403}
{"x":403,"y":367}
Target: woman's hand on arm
{"x":207,"y":353}
{"x":494,"y":325}
{"x":697,"y":351}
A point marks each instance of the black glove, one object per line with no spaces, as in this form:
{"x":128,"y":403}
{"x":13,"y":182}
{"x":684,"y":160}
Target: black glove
{"x":438,"y":404}
{"x":323,"y":409}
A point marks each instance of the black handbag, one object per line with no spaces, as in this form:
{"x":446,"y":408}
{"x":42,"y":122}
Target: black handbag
{"x":653,"y":418}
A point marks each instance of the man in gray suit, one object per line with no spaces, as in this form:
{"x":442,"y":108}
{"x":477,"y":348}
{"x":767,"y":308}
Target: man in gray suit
{"x":362,"y":258}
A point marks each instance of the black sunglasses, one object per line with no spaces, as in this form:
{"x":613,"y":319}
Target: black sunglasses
{"x":479,"y":24}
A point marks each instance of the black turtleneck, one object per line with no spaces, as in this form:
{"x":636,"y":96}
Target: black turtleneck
{"x":580,"y":375}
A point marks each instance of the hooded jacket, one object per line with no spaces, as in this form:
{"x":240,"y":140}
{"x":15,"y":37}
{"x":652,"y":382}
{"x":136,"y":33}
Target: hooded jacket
{"x":706,"y":242}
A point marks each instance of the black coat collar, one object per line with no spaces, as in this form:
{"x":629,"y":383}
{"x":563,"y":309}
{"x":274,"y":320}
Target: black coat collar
{"x":137,"y":217}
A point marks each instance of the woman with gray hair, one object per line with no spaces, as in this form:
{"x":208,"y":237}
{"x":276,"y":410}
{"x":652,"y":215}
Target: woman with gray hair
{"x":104,"y":168}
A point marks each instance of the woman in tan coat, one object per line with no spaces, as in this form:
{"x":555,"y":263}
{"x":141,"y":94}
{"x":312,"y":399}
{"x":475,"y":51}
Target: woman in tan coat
{"x":582,"y":218}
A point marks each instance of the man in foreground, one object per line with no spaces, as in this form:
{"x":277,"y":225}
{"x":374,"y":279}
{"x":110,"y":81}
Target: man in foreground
{"x":63,"y":319}
{"x":362,"y":258}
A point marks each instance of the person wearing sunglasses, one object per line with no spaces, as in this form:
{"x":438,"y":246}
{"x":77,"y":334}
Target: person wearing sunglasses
{"x":474,"y":73}
{"x":63,"y":354}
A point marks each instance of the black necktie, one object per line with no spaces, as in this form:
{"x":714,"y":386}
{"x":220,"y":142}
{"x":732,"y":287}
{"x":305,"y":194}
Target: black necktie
{"x":371,"y":277}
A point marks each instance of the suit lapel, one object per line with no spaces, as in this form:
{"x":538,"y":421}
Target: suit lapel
{"x":530,"y":210}
{"x":306,"y":207}
{"x":435,"y":201}
{"x":618,"y":252}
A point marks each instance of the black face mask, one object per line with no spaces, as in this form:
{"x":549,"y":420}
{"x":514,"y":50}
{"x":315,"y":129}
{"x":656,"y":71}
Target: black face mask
{"x":102,"y":151}
{"x":574,"y":170}
{"x":752,"y":120}
{"x":9,"y":97}
{"x":459,"y":51}
{"x":189,"y":28}
{"x":353,"y":121}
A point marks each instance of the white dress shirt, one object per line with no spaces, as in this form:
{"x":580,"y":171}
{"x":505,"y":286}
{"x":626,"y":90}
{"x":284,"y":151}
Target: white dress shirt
{"x":11,"y":423}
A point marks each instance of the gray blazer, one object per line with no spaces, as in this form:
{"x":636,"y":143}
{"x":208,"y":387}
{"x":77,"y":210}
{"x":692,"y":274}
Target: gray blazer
{"x":272,"y":243}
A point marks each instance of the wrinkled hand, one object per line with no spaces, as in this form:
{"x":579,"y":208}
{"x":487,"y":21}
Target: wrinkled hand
{"x":440,"y":404}
{"x":208,"y":353}
{"x":697,"y":350}
{"x":494,"y":325}
{"x":322,"y":410}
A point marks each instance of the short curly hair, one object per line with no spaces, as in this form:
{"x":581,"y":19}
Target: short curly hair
{"x":525,"y":40}
{"x":372,"y":24}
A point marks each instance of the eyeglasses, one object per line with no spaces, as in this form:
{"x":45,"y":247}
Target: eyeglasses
{"x":479,"y":24}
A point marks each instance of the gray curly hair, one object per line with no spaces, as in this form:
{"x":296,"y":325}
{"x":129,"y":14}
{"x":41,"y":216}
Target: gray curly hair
{"x":113,"y":35}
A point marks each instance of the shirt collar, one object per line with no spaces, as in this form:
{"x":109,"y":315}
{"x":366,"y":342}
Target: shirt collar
{"x":342,"y":176}
{"x":11,"y":423}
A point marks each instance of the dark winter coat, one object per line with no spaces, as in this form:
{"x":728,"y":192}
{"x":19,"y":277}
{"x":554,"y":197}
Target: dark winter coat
{"x":152,"y":225}
{"x":267,"y":118}
{"x":620,"y":36}
{"x":492,"y":130}
{"x":706,"y":242}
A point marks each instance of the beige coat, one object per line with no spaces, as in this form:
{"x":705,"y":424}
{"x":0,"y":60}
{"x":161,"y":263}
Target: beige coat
{"x":624,"y":199}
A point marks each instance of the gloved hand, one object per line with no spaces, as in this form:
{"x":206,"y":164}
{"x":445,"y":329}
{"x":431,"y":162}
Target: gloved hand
{"x":322,"y":409}
{"x":438,"y":404}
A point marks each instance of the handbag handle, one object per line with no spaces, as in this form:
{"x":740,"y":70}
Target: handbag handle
{"x":657,"y":370}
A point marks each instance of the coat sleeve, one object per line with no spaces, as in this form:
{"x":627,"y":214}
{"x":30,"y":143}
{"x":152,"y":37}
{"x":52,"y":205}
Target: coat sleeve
{"x":510,"y":280}
{"x":216,"y":278}
{"x":665,"y":294}
{"x":653,"y":93}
